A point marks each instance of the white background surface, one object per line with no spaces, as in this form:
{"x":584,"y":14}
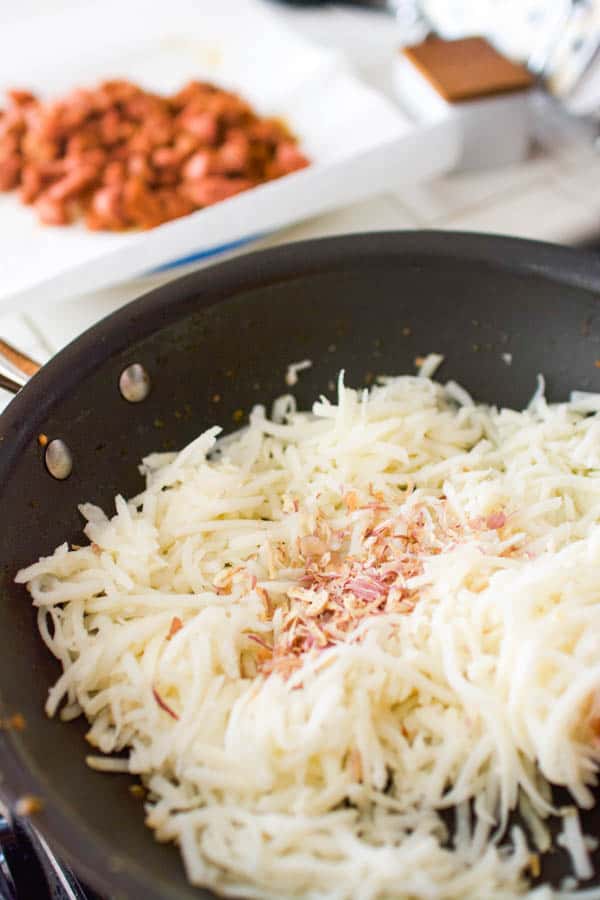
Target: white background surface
{"x":554,"y":195}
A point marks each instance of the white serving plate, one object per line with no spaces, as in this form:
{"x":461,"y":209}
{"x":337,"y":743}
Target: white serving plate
{"x":356,"y":137}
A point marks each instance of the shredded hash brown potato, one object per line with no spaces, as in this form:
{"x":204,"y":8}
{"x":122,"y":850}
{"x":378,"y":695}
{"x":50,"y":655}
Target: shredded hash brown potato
{"x":318,"y":636}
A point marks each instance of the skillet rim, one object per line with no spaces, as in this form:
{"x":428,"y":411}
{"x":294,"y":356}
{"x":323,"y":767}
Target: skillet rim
{"x":157,"y":309}
{"x":207,"y":286}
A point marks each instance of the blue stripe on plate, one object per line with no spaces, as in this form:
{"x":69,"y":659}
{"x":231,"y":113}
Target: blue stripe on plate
{"x":206,"y":254}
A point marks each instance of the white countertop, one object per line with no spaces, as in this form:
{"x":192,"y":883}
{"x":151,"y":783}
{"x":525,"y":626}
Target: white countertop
{"x":554,"y":195}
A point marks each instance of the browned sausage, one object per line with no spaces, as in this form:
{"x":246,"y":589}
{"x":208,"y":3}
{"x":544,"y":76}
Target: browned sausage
{"x":106,"y":206}
{"x":72,"y":183}
{"x":203,"y":125}
{"x":126,"y":158}
{"x":114,"y":172}
{"x":288,"y":158}
{"x":233,"y":156}
{"x":199,"y":165}
{"x":32,"y":183}
{"x":214,"y":188}
{"x":21,"y":98}
{"x":10,"y":171}
{"x":51,"y":212}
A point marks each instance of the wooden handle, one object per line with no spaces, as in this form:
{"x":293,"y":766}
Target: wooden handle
{"x":19,"y":360}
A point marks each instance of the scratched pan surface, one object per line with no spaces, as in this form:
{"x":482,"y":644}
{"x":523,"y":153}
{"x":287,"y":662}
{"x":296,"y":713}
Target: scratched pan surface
{"x":367,"y":303}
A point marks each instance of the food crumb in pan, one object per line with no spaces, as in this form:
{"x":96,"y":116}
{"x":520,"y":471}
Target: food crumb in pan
{"x":176,"y":625}
{"x":103,"y":763}
{"x":163,"y":704}
{"x":159,"y":423}
{"x":238,"y":415}
{"x":534,"y":865}
{"x":137,"y":790}
{"x":216,"y":398}
{"x":42,"y":440}
{"x":507,"y":358}
{"x":28,"y":805}
{"x":116,"y":864}
{"x":291,"y":376}
{"x":355,"y":764}
{"x":429,"y":364}
{"x":406,"y":332}
{"x":16,"y":722}
{"x":591,"y":842}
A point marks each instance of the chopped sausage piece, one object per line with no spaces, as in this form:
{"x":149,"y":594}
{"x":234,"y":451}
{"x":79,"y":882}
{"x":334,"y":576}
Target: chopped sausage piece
{"x":113,"y":128}
{"x":270,"y":131}
{"x":167,"y":177}
{"x":79,"y":143}
{"x":288,"y":158}
{"x":175,"y":204}
{"x":72,"y":183}
{"x":139,"y":203}
{"x":124,"y":158}
{"x":106,"y":207}
{"x":32,"y":183}
{"x":186,"y":143}
{"x":51,"y":212}
{"x":114,"y":172}
{"x":215,"y":188}
{"x":95,"y":157}
{"x":166,"y":158}
{"x":234,"y":155}
{"x":203,"y":125}
{"x":12,"y":126}
{"x":138,"y":165}
{"x":198,"y":165}
{"x":10,"y":170}
{"x":37,"y":149}
{"x":21,"y":98}
{"x":192,"y":91}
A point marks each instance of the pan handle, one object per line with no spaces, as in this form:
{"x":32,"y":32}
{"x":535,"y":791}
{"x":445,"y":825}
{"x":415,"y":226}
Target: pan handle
{"x":15,"y":368}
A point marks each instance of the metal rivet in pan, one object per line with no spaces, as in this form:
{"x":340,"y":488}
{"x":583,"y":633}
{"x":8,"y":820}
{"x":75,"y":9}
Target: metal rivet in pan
{"x":134,"y":383}
{"x":59,"y":461}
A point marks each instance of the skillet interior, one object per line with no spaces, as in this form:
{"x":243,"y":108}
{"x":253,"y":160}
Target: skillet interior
{"x":232,"y":330}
